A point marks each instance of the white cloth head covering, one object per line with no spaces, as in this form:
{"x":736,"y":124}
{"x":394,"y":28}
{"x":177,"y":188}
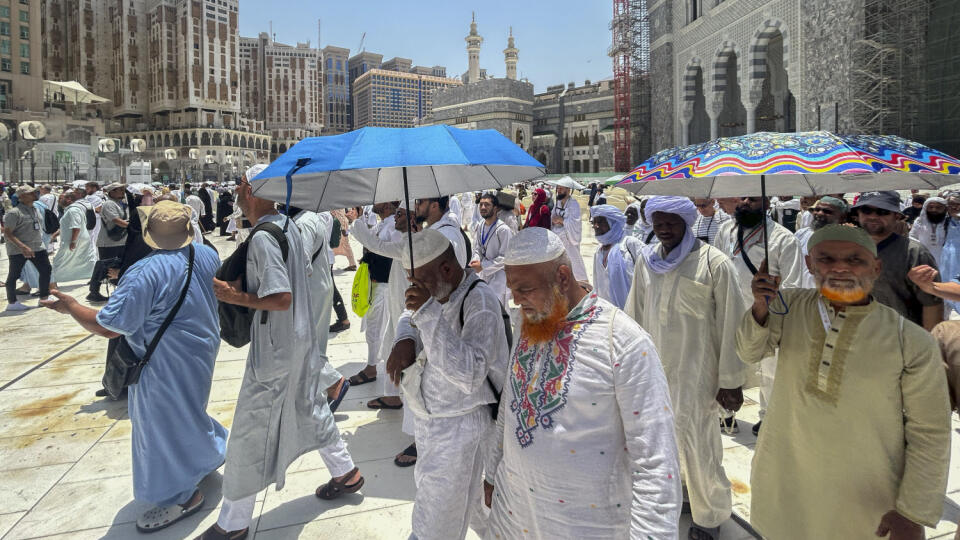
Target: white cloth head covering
{"x":615,"y":219}
{"x":428,"y":244}
{"x":253,"y":171}
{"x":682,"y":207}
{"x":931,"y":235}
{"x":533,"y":245}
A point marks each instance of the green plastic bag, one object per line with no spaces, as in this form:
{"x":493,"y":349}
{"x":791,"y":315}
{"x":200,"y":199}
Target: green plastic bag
{"x":360,"y":295}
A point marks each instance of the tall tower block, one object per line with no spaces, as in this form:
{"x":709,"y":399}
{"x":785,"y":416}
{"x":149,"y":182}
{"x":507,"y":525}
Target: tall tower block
{"x":473,"y":51}
{"x":510,"y":57}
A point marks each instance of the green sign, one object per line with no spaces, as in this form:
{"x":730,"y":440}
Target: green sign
{"x":61,"y":156}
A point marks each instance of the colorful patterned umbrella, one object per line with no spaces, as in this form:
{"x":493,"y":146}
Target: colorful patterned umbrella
{"x":811,"y":163}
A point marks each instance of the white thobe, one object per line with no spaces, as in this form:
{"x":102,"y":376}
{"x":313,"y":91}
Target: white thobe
{"x":785,"y":261}
{"x":449,"y":227}
{"x":281,"y":410}
{"x":454,"y":207}
{"x":507,"y":217}
{"x":803,"y":236}
{"x":629,"y":248}
{"x":469,"y":210}
{"x":586,"y":435}
{"x":50,"y":201}
{"x":315,"y":235}
{"x":569,"y":233}
{"x":449,"y":388}
{"x":94,"y":202}
{"x":692,"y":313}
{"x":490,"y":243}
{"x":197,"y":204}
{"x":74,"y":264}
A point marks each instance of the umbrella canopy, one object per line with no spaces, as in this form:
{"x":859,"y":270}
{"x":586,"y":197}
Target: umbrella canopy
{"x":566,"y":182}
{"x":811,"y":163}
{"x":372,"y":165}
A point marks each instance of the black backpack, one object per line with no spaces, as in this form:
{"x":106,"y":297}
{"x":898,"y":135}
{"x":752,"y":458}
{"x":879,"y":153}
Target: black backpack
{"x":50,"y":222}
{"x":335,"y":234}
{"x":91,"y":215}
{"x":507,"y":329}
{"x":235,"y":320}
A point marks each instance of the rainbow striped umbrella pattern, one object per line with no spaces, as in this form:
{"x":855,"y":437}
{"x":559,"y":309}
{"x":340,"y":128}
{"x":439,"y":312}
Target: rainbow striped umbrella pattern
{"x":809,"y":153}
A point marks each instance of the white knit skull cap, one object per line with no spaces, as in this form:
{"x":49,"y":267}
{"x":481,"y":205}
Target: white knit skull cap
{"x":533,"y":245}
{"x":253,"y":171}
{"x":427,"y":246}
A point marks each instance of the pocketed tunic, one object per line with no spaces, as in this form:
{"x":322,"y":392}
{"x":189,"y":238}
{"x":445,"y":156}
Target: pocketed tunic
{"x":282,"y":410}
{"x":859,"y":424}
{"x":175,"y":442}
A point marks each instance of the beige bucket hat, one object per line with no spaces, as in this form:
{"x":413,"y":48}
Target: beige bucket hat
{"x":166,"y":225}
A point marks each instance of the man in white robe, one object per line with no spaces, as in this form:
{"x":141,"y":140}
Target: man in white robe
{"x":77,"y":255}
{"x":687,"y":295}
{"x":450,"y":387}
{"x":468,"y":213}
{"x":281,"y":412}
{"x":565,"y":221}
{"x":456,"y":209}
{"x":491,"y":237}
{"x":930,"y":227}
{"x":613,"y":263}
{"x":744,"y":232}
{"x":585,"y":437}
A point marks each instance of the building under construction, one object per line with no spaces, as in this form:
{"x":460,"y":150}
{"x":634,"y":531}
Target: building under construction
{"x":630,"y":51}
{"x":731,"y":67}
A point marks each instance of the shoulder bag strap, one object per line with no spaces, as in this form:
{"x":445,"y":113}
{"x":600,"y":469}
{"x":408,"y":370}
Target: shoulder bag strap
{"x":172,"y":314}
{"x":743,"y":252}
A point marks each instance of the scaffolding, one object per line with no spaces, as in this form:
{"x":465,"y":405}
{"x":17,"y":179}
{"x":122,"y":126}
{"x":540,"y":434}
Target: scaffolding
{"x":887,"y":71}
{"x":630,"y":51}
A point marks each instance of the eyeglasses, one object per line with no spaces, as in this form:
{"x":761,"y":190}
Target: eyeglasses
{"x":869,"y":210}
{"x":703,"y":205}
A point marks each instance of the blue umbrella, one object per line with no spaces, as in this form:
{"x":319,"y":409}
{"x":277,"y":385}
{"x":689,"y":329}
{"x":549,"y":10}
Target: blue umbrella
{"x":372,"y":165}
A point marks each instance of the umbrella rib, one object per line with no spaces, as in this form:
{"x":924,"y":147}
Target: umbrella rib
{"x":323,"y":192}
{"x":435,"y":181}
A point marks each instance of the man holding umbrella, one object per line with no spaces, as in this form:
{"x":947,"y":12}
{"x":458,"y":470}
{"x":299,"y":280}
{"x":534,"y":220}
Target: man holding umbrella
{"x":742,"y":239}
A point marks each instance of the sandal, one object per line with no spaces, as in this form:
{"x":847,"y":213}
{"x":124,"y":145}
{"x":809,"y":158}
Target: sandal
{"x":213,"y":534}
{"x":410,"y":451}
{"x":161,"y":517}
{"x":335,"y":402}
{"x":379,"y":403}
{"x":703,"y":533}
{"x":334,"y":488}
{"x":361,"y":378}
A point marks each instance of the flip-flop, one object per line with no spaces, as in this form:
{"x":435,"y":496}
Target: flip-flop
{"x":161,"y":517}
{"x":381,"y":404}
{"x":335,"y":402}
{"x":333,"y":489}
{"x":410,"y":451}
{"x":696,"y":532}
{"x":361,"y":378}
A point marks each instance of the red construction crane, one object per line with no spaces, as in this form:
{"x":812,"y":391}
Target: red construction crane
{"x":621,"y":50}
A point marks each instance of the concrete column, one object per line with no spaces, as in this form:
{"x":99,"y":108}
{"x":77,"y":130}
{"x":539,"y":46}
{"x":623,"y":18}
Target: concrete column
{"x":751,"y":118}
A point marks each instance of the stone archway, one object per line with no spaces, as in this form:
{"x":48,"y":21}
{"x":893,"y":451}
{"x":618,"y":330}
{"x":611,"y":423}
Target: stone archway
{"x":769,"y":80}
{"x":731,"y":115}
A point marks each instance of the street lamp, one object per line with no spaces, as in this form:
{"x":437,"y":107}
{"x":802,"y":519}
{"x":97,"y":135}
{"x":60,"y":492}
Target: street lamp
{"x":33,"y":131}
{"x":137,"y":146}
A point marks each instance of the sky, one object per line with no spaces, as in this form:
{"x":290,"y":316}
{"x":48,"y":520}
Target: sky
{"x":559,"y":41}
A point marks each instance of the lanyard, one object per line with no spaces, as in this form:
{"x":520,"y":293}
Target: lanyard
{"x":485,"y":234}
{"x":824,"y":316}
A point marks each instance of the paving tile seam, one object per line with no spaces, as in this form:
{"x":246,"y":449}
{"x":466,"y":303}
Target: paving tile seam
{"x":42,"y":433}
{"x":62,"y":476}
{"x":338,"y":516}
{"x":41,"y":364}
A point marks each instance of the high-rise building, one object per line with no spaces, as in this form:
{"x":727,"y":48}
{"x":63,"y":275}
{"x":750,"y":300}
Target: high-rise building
{"x":336,"y":89}
{"x":394,"y":99}
{"x":281,"y":86}
{"x":70,"y":30}
{"x":360,"y":64}
{"x":21,"y":81}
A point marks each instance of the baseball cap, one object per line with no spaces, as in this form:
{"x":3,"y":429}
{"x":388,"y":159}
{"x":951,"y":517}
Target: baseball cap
{"x":885,"y":200}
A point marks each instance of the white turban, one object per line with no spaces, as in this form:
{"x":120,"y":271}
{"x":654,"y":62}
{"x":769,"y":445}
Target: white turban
{"x":427,"y":246}
{"x":680,"y":206}
{"x":615,"y":220}
{"x":253,"y":171}
{"x":533,"y":245}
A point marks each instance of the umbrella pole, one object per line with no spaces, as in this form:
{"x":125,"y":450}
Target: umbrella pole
{"x":406,"y":198}
{"x":763,"y":201}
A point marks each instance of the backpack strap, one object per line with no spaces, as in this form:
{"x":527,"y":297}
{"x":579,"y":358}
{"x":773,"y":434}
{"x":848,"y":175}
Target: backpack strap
{"x":509,"y":333}
{"x":281,"y":238}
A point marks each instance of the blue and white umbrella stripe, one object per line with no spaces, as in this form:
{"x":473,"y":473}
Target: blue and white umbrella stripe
{"x":367,"y":166}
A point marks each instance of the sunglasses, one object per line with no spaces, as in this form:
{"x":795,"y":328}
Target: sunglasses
{"x":867,"y":211}
{"x":703,"y":205}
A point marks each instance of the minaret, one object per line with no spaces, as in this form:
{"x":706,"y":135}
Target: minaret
{"x":510,"y":57}
{"x":473,"y":51}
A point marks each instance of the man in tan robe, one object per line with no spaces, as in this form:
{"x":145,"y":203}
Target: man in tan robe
{"x":858,"y":439}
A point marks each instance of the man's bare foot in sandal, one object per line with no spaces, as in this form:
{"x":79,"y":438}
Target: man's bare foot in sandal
{"x":161,"y":517}
{"x":216,"y":533}
{"x":385,"y":402}
{"x":367,"y":374}
{"x":341,"y":485}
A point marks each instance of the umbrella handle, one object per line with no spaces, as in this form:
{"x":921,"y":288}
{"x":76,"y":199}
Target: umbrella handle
{"x":406,"y":197}
{"x":301,"y":163}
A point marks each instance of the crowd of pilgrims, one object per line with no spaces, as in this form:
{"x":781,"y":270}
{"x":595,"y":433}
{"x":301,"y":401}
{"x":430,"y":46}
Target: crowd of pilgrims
{"x":544,"y":402}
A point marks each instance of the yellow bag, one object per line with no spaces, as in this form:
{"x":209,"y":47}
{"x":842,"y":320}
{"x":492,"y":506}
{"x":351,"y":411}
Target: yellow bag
{"x":360,"y":295}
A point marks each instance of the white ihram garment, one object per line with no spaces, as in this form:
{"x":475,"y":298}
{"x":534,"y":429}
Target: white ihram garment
{"x":570,"y":233}
{"x":448,"y":389}
{"x":469,"y":210}
{"x":785,"y":261}
{"x":692,"y":313}
{"x":454,"y":207}
{"x":629,"y":248}
{"x":586,"y":436}
{"x":490,"y":244}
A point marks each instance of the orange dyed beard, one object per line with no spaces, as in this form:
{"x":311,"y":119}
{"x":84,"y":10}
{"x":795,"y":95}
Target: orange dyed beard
{"x":850,"y":295}
{"x":541,"y":329}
